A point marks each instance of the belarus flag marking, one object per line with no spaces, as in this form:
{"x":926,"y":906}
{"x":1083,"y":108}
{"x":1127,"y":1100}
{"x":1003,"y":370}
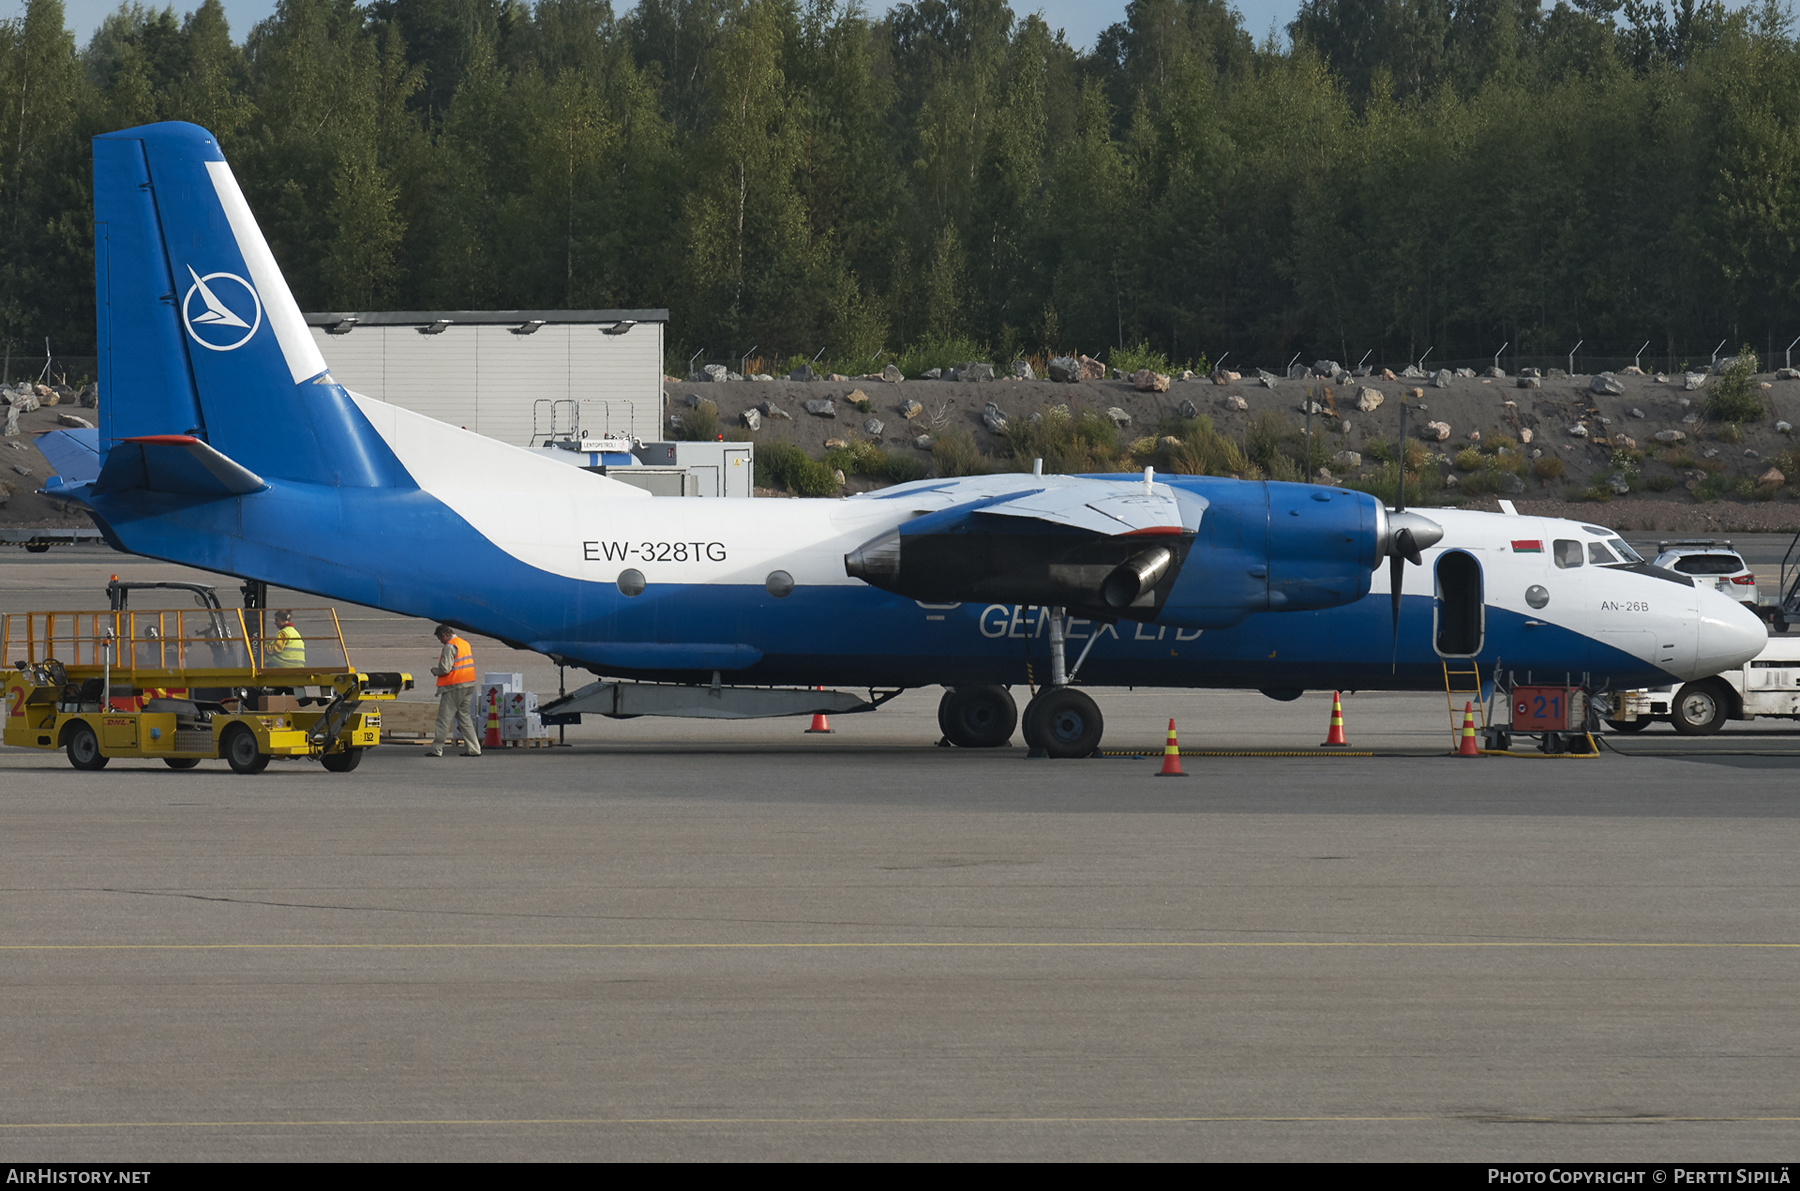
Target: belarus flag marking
{"x":1528,"y":547}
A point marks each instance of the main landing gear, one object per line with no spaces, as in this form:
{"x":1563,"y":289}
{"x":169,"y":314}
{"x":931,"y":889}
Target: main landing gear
{"x":1060,"y":722}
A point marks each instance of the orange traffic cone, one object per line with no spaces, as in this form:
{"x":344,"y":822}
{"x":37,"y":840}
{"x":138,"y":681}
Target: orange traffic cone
{"x":1467,"y":748}
{"x":820,"y":723}
{"x":1171,"y":756}
{"x":491,"y":740}
{"x":1334,"y":737}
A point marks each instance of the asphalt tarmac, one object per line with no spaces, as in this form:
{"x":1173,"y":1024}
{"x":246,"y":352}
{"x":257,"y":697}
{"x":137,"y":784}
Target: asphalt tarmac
{"x":688,"y":940}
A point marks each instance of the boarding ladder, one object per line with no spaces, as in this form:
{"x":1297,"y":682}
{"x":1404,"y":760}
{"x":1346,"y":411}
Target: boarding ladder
{"x":1467,"y":683}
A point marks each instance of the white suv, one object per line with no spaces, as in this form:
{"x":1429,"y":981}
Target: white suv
{"x":1707,"y":561}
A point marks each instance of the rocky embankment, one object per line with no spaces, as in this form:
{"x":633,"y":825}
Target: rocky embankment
{"x":1635,"y":451}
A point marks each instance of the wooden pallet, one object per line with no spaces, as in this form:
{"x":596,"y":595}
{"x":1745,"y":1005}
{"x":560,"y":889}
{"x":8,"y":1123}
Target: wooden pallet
{"x":541,"y":742}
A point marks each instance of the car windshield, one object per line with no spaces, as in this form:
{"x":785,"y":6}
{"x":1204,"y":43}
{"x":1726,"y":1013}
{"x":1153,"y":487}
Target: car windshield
{"x":1709,"y":564}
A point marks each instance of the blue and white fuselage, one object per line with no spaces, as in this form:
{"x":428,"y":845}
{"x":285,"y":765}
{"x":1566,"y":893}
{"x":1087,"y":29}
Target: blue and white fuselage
{"x":228,"y":446}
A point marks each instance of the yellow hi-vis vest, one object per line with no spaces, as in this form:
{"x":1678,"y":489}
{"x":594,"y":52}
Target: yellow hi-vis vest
{"x":289,"y":649}
{"x":464,"y":669}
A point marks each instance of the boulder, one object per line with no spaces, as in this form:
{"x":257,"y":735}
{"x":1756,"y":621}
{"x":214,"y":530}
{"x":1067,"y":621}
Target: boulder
{"x":1118,"y":417}
{"x":1441,"y":379}
{"x":932,"y":373}
{"x":751,"y":419}
{"x":1435,"y":432}
{"x":833,"y":444}
{"x":1626,"y":441}
{"x":1146,"y":381}
{"x":1692,"y":419}
{"x":1187,"y":409}
{"x":12,"y":420}
{"x":774,"y":412}
{"x":1607,"y":384}
{"x":975,"y":370}
{"x":1118,"y":374}
{"x":1065,"y":369}
{"x":993,"y":418}
{"x":1090,"y":368}
{"x":1578,"y":431}
{"x":1632,"y":370}
{"x":761,"y":376}
{"x":1388,"y":374}
{"x":1474,"y":436}
{"x":837,"y":476}
{"x":1267,"y":381}
{"x":837,"y":378}
{"x":1537,"y":372}
{"x":1369,"y":400}
{"x":1784,"y":428}
{"x":1555,"y":374}
{"x":910,"y":409}
{"x":1465,"y":373}
{"x":1495,"y":371}
{"x":1310,"y":407}
{"x":21,"y":469}
{"x":1618,"y":483}
{"x":923,"y":442}
{"x":821,"y":407}
{"x":1346,"y":460}
{"x":1669,"y":436}
{"x":26,"y":400}
{"x":1237,"y":403}
{"x":1787,"y":374}
{"x":1022,"y":370}
{"x":75,"y":420}
{"x":1525,"y":434}
{"x":1530,"y":382}
{"x":1723,"y":364}
{"x":1771,"y":478}
{"x":694,"y":401}
{"x":1692,"y":380}
{"x":1634,"y":412}
{"x":857,"y":398}
{"x":892,"y":374}
{"x":1412,"y":372}
{"x":873,"y":427}
{"x":1326,"y":368}
{"x":713,"y":372}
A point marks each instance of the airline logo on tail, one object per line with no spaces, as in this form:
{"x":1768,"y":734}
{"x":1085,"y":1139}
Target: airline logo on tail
{"x":208,"y":310}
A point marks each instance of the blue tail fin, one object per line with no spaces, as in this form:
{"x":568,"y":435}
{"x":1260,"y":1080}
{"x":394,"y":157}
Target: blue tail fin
{"x":198,"y":333}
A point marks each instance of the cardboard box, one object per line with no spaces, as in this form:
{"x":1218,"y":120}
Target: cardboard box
{"x":522,"y":727}
{"x":277,"y":703}
{"x":512,"y":681}
{"x":521,"y":703}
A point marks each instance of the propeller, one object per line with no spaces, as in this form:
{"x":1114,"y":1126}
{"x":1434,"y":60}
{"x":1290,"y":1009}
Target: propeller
{"x":1402,"y":539}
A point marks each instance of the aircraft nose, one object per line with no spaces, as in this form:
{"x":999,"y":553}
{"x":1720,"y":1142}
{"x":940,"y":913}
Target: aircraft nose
{"x":1728,"y":634}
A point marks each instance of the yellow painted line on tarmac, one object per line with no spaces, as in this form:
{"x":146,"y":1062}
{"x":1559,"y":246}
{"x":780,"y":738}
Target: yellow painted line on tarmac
{"x":471,"y":1122}
{"x":900,"y":946}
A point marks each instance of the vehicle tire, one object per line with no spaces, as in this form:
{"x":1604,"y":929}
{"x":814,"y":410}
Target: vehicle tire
{"x":181,"y":762}
{"x":240,"y":751}
{"x":977,"y":717}
{"x":1628,"y":726}
{"x":1778,"y":621}
{"x":342,"y":761}
{"x":1700,"y":708}
{"x":1064,"y":723}
{"x":84,"y":748}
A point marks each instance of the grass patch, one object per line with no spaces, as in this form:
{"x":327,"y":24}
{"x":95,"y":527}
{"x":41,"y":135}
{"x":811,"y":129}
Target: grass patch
{"x":1734,"y":397}
{"x":944,"y":352}
{"x":783,"y":465}
{"x":1067,"y":443}
{"x":954,"y":453}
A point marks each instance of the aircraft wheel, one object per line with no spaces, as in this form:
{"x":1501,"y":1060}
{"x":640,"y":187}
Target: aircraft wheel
{"x":1628,"y":726}
{"x":181,"y":762}
{"x":342,"y":761}
{"x":1699,"y":708}
{"x":84,"y":748}
{"x":1063,"y":722}
{"x":241,"y":753}
{"x":977,"y":717}
{"x":1778,"y":621}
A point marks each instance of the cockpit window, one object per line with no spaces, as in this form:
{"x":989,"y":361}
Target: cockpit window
{"x":1568,"y":553}
{"x":1624,"y":551}
{"x":1598,"y":554}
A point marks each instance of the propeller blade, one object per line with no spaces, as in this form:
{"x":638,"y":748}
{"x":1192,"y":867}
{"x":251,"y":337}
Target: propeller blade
{"x":1396,"y":573}
{"x":1400,"y":486}
{"x":1407,"y":547}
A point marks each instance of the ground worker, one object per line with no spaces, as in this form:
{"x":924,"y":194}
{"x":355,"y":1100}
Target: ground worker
{"x":456,"y":694}
{"x":286,"y":647}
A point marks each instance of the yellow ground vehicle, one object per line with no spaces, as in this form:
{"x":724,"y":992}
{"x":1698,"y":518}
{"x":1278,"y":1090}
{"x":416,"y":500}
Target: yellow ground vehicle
{"x":189,"y":686}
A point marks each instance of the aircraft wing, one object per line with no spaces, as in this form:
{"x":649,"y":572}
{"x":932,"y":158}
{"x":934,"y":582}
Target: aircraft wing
{"x":1107,"y":507}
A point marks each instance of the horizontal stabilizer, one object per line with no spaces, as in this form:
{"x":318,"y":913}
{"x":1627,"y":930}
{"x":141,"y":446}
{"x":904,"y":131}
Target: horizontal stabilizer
{"x":178,"y":464}
{"x":73,"y":455}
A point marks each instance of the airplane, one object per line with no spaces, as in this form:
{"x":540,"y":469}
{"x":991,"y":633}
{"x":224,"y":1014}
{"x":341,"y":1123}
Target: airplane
{"x":225,"y":444}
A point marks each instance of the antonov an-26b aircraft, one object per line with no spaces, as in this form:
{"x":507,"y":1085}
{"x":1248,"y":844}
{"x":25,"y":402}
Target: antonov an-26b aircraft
{"x":227,"y":445}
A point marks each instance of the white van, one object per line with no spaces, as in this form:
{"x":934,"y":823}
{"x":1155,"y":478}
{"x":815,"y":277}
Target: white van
{"x":1769,"y":684}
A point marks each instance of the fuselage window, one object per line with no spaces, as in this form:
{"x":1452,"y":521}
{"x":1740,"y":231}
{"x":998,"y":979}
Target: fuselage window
{"x":1598,"y":554}
{"x":1568,"y":553}
{"x":1460,"y":611}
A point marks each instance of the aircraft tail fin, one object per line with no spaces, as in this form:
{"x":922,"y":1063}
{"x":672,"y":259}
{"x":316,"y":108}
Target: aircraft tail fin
{"x":199,"y":335}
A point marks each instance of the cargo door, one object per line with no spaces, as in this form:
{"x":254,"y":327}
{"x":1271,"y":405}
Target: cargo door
{"x":1460,"y":617}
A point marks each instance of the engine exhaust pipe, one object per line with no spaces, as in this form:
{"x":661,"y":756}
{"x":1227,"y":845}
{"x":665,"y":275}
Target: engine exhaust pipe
{"x":1135,"y":576}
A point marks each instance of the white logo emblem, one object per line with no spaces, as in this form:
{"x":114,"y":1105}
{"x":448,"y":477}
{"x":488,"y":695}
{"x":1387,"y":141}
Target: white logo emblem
{"x":215,"y":316}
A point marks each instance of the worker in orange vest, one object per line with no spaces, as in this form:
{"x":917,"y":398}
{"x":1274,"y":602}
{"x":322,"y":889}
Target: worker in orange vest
{"x":456,"y":694}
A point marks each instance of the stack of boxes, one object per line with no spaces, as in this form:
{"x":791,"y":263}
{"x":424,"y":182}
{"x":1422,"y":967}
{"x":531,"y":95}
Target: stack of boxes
{"x":519,"y":719}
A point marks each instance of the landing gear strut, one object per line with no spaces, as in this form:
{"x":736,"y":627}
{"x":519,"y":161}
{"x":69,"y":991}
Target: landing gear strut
{"x":1062,"y":721}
